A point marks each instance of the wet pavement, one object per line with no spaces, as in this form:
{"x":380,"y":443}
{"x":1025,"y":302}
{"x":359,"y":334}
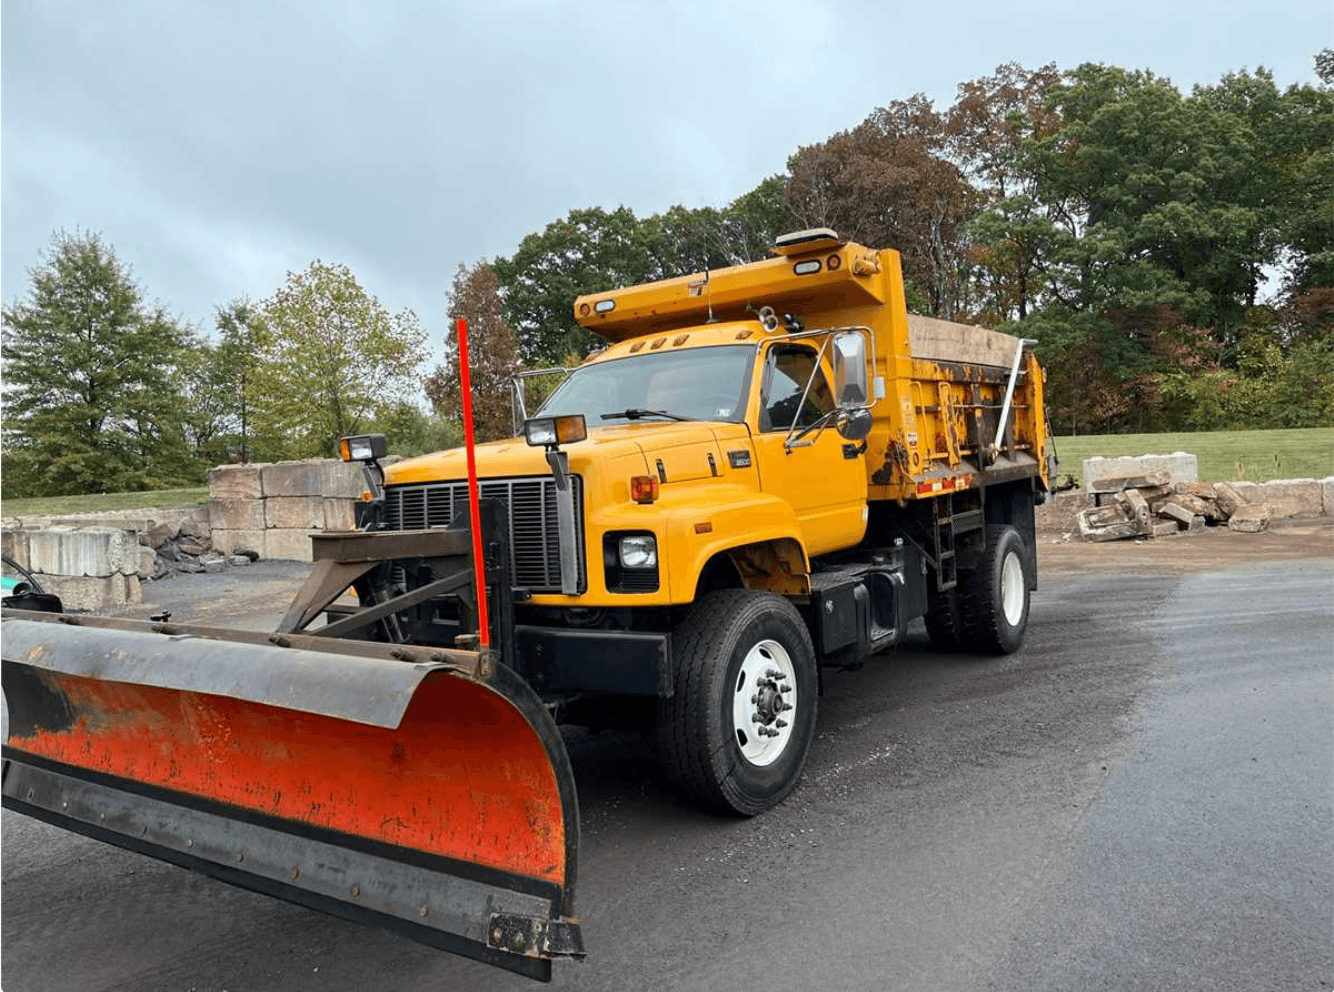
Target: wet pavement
{"x":1142,"y":798}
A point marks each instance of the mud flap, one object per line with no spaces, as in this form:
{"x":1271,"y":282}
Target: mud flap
{"x":427,"y":792}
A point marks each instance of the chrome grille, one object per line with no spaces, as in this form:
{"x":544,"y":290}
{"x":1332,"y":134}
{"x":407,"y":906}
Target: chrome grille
{"x":530,"y":504}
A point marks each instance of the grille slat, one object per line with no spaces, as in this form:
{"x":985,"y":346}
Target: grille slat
{"x":530,"y":505}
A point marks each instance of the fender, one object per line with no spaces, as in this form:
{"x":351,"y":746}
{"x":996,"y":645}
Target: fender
{"x":747,"y":520}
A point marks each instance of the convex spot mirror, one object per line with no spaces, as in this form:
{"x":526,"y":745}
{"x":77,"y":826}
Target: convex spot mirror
{"x":850,"y":373}
{"x":853,"y":425}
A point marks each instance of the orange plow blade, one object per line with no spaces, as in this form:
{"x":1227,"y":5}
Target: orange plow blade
{"x":423,"y":791}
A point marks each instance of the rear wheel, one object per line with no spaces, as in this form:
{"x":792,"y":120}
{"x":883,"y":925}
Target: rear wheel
{"x":735,"y":733}
{"x":994,"y":596}
{"x":944,"y":625}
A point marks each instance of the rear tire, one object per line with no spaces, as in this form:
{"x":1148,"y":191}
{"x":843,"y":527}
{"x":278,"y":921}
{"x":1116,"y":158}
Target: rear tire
{"x":944,"y":624}
{"x":994,"y":596}
{"x":735,"y":733}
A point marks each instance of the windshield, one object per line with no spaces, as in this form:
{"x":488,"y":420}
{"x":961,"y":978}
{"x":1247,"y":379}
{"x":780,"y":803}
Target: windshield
{"x":699,"y":384}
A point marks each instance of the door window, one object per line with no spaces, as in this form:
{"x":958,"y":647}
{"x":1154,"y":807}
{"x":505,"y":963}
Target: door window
{"x":791,"y":367}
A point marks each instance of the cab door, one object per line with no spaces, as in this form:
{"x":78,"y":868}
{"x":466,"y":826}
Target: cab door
{"x":822,"y":476}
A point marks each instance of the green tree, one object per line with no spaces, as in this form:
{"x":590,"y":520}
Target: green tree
{"x":242,"y":337}
{"x":1166,"y":199}
{"x":752,"y":222}
{"x":588,"y":251}
{"x":330,"y":358}
{"x":217,"y":381}
{"x":410,"y":431}
{"x":1299,"y":129}
{"x":91,"y":391}
{"x":493,"y":354}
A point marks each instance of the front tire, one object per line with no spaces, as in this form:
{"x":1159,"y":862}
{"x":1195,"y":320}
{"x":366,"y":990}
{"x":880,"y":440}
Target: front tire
{"x":735,"y":733}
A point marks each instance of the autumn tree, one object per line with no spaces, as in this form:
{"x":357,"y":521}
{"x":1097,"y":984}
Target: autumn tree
{"x":92,"y":400}
{"x":475,"y":297}
{"x":888,"y":183}
{"x":1010,"y":237}
{"x":332,"y":358}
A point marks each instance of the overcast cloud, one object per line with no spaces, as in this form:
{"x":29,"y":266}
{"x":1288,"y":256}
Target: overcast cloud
{"x":218,"y":145}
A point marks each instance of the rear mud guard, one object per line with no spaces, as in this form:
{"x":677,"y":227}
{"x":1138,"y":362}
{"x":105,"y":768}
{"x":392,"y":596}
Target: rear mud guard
{"x":426,"y":792}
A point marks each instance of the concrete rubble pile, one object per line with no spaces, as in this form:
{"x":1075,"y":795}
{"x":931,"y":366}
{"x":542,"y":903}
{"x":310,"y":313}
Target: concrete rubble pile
{"x":1150,"y":504}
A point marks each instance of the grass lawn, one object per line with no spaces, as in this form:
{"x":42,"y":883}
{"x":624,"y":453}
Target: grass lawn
{"x":110,"y":501}
{"x":1224,"y":456}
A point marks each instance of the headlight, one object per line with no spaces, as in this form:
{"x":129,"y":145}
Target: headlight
{"x":639,"y":551}
{"x":362,"y":448}
{"x":552,"y":431}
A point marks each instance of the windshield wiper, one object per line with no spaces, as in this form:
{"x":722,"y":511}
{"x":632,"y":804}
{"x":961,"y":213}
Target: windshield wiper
{"x":639,"y":413}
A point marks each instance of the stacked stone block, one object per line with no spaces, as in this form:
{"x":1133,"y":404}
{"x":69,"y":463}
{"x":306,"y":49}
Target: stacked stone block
{"x":272,"y":510}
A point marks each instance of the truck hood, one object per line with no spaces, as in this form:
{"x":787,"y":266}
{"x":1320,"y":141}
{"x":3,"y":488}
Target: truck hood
{"x":673,"y":451}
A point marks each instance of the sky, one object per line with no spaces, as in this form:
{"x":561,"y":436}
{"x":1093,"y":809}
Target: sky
{"x":217,"y":145}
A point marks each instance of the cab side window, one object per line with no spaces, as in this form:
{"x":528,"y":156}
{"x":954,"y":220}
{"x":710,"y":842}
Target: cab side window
{"x":790,"y":368}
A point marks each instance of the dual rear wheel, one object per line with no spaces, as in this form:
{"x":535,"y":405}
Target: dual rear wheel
{"x":987,"y":611}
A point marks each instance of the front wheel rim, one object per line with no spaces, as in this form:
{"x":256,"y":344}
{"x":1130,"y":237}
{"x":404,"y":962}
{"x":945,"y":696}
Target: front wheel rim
{"x":1012,"y":589}
{"x":764,"y":701}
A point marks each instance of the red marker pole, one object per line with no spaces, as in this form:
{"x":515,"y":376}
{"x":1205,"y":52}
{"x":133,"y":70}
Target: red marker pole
{"x":474,"y":508}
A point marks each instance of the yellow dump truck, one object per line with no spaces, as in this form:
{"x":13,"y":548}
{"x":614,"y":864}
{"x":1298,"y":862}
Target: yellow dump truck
{"x":770,"y":469}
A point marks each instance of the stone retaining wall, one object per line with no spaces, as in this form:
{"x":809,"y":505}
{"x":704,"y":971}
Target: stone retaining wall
{"x":99,"y":560}
{"x":271,"y":510}
{"x":1180,"y":465}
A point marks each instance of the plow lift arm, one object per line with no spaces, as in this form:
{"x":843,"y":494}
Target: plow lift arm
{"x":422,"y":789}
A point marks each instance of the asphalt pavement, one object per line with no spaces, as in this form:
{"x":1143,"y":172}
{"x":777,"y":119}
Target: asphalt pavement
{"x":1142,"y":798}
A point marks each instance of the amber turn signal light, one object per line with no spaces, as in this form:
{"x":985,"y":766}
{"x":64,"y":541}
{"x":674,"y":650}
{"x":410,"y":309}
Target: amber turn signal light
{"x":644,"y":488}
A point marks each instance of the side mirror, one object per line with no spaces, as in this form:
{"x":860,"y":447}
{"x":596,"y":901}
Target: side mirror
{"x":853,"y":425}
{"x":850,"y":371}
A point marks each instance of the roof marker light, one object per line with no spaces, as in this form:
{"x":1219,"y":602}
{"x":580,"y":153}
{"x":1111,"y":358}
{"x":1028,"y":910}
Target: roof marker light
{"x":807,"y":267}
{"x":604,"y":306}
